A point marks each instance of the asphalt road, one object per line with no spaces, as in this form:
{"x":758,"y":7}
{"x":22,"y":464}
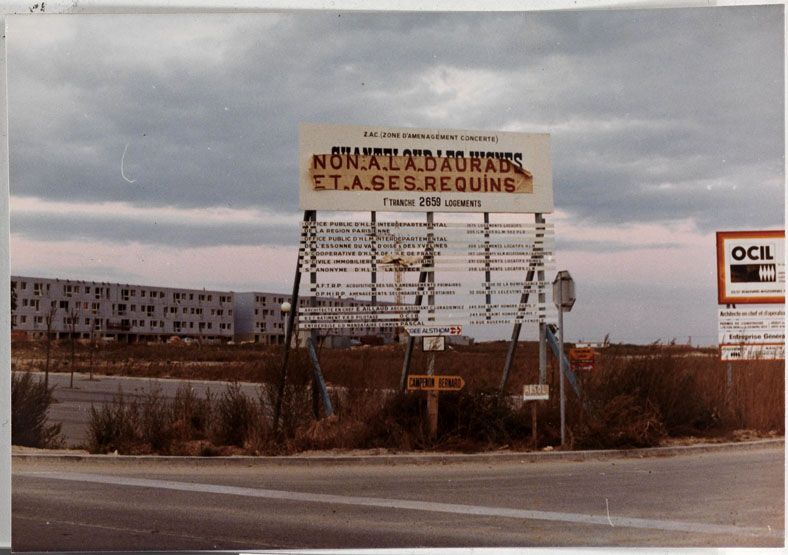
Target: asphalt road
{"x":730,"y":498}
{"x":72,"y":406}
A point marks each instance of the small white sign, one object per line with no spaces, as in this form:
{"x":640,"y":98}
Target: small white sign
{"x":433,"y":343}
{"x":420,"y":331}
{"x":753,"y":325}
{"x":536,"y":392}
{"x":753,"y":352}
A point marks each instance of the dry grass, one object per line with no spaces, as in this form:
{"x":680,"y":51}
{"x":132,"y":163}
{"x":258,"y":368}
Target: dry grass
{"x":637,"y":401}
{"x":637,"y":396}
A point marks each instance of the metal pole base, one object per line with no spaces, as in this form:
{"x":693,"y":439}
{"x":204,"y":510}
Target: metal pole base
{"x":317,"y":377}
{"x":432,"y":412}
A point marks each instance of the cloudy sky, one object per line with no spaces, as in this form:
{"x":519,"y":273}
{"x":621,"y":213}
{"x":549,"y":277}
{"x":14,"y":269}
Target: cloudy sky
{"x":163,"y":149}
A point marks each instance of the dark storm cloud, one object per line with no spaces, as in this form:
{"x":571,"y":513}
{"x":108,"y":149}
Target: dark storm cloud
{"x":655,"y":115}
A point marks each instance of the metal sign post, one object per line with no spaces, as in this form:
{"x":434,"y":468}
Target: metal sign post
{"x":290,"y":309}
{"x":561,"y":365}
{"x":432,"y":396}
{"x":529,"y":276}
{"x":564,"y":299}
{"x":318,"y":382}
{"x":534,"y":393}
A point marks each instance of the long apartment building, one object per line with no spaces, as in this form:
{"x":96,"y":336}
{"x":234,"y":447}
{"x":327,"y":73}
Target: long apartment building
{"x":142,"y":313}
{"x":124,"y":312}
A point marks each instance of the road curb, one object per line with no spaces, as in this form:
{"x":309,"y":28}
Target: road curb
{"x":409,"y":459}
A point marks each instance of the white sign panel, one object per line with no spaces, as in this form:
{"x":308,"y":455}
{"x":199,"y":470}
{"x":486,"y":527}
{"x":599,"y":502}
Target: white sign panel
{"x":755,"y":324}
{"x":433,"y":343}
{"x":536,"y":392}
{"x":752,"y":352}
{"x":420,"y":331}
{"x":371,"y":168}
{"x":754,"y":332}
{"x":751,"y":267}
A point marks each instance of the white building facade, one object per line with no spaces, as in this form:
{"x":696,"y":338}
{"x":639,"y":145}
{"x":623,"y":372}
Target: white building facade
{"x":123,"y":312}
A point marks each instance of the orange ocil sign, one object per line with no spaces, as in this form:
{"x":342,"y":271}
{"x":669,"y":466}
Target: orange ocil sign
{"x":751,"y":267}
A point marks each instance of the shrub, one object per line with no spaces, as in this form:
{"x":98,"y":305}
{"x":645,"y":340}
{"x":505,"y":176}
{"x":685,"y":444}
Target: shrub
{"x":635,"y":401}
{"x":479,"y":419}
{"x":400,"y":424}
{"x":622,"y":422}
{"x":30,"y":401}
{"x":156,"y":422}
{"x":234,"y":415}
{"x":191,"y":415}
{"x":114,"y":426}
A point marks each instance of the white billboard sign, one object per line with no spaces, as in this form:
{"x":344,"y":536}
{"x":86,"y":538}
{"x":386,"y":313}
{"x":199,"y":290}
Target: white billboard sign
{"x":751,"y":267}
{"x":371,"y":168}
{"x":755,"y":332}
